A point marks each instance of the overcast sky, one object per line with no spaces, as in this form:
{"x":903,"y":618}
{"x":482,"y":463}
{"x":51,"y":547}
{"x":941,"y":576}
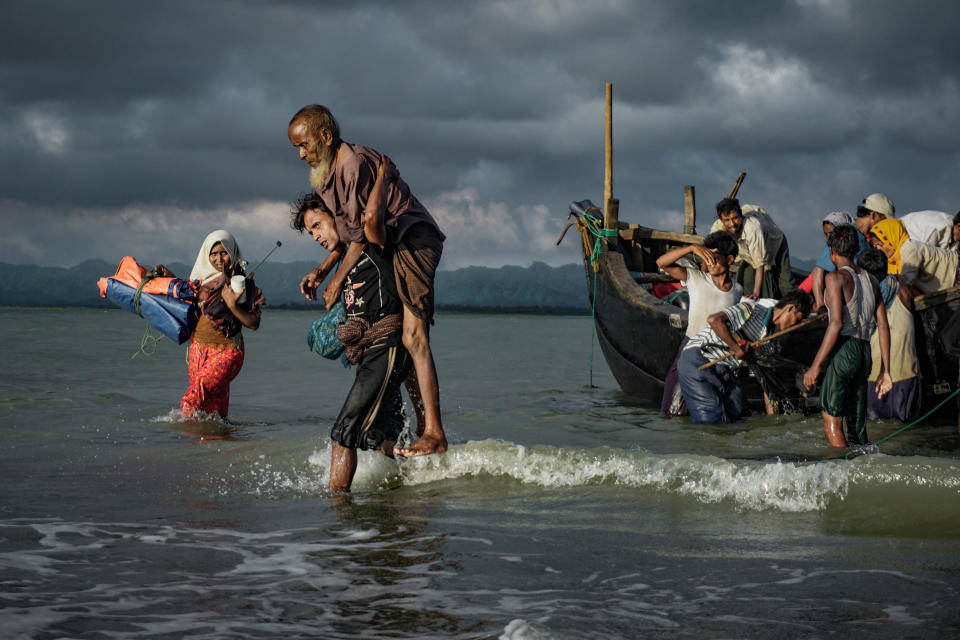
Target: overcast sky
{"x":137,"y":127}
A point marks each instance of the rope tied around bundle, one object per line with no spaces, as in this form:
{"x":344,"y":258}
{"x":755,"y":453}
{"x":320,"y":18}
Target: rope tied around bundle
{"x":148,"y":343}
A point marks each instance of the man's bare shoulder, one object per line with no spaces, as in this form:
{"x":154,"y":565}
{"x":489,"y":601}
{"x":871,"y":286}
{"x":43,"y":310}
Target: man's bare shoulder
{"x":839,"y":278}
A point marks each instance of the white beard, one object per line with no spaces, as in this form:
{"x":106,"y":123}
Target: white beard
{"x":320,"y":173}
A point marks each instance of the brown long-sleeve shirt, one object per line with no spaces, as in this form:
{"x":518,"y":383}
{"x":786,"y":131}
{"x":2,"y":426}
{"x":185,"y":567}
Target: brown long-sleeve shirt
{"x":347,"y":189}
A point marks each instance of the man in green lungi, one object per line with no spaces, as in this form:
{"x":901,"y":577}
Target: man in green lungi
{"x":853,"y":303}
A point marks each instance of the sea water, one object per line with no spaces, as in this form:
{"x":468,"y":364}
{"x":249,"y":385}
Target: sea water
{"x":560,"y":511}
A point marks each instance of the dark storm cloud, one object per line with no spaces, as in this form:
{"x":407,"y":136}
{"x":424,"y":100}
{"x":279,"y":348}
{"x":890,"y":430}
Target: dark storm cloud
{"x":117,"y":112}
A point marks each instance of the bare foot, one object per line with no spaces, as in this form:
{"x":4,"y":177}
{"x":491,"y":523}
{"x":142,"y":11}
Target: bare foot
{"x":424,"y":446}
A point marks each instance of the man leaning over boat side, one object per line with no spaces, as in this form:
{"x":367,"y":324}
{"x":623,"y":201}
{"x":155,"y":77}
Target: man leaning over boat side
{"x":923,"y":267}
{"x":764,"y":260}
{"x":936,"y":228}
{"x":713,"y":395}
{"x":854,"y":302}
{"x":871,"y":210}
{"x":709,"y":290}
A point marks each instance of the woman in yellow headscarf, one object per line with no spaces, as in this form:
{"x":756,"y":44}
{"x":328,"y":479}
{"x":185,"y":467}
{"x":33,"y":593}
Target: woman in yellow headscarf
{"x":888,"y":236}
{"x":922,"y":267}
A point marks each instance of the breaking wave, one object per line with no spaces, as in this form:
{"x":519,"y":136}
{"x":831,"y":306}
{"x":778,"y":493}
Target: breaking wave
{"x":748,"y":484}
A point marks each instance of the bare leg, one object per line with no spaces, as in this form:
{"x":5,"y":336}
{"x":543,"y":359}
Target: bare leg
{"x":770,"y":406}
{"x":343,"y":464}
{"x":413,"y":390}
{"x":417,"y":342}
{"x":833,"y":429}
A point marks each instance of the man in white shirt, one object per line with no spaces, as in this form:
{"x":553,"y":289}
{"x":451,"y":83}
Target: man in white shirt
{"x":764,"y":256}
{"x":709,"y":291}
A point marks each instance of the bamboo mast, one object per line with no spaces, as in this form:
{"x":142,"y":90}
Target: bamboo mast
{"x":689,"y":209}
{"x":610,"y":204}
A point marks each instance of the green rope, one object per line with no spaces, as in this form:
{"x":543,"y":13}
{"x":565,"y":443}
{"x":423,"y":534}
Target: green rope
{"x":864,"y":450}
{"x":601,"y":235}
{"x":147,"y":277}
{"x":148,"y":344}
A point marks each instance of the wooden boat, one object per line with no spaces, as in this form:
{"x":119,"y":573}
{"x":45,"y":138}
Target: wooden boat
{"x":639,"y":333}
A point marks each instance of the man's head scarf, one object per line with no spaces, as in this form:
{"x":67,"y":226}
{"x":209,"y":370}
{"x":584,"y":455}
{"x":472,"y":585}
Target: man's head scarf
{"x":837,"y":218}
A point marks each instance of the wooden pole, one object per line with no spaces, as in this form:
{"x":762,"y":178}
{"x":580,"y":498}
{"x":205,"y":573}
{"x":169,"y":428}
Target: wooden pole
{"x":778,"y":334}
{"x":736,"y":187}
{"x":689,"y":209}
{"x":608,"y":222}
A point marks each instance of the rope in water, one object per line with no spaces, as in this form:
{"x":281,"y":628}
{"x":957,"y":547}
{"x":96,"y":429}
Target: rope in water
{"x":148,"y":344}
{"x":864,"y":450}
{"x":600,"y":234}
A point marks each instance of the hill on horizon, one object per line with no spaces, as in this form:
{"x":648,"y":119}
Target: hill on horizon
{"x":537,"y":288}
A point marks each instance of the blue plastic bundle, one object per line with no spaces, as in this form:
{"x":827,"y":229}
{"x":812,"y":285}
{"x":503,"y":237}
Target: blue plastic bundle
{"x":166,"y":303}
{"x":322,"y":334}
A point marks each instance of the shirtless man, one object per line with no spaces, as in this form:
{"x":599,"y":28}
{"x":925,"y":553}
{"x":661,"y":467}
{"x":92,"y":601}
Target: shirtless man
{"x":343,"y":175}
{"x":853,"y":302}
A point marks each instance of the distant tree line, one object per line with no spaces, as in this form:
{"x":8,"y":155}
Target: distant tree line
{"x":538,"y":288}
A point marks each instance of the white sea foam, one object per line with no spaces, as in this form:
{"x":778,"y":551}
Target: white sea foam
{"x":748,"y":484}
{"x":753,"y":485}
{"x":522,"y":630}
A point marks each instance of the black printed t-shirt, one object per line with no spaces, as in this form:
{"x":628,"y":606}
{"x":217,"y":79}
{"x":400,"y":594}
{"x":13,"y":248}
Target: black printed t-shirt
{"x":370,"y":291}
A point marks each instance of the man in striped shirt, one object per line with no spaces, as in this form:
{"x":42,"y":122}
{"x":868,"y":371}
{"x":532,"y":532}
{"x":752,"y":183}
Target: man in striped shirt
{"x":713,"y":395}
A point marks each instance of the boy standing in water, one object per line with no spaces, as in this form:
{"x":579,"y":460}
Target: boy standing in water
{"x":372,"y":415}
{"x":853,"y":302}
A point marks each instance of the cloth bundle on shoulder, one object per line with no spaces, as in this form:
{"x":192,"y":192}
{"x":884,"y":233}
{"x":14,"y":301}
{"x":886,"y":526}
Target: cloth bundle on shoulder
{"x":322,"y":334}
{"x":356,"y":334}
{"x":166,"y":303}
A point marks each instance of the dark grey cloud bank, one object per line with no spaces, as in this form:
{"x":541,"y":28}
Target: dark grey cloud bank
{"x":131,"y":127}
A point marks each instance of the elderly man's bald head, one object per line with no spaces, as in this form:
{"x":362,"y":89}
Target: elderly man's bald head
{"x":317,"y":117}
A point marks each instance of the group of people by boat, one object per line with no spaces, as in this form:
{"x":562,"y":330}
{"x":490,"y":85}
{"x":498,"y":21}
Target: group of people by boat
{"x":384,"y":248}
{"x":872,"y":266}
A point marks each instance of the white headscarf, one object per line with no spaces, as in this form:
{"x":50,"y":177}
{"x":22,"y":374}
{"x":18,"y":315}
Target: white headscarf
{"x":202,"y":269}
